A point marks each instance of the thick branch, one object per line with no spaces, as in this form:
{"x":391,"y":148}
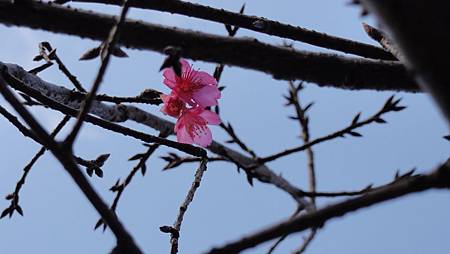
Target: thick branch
{"x":254,"y":23}
{"x":440,"y":178}
{"x":282,"y":63}
{"x":419,"y":28}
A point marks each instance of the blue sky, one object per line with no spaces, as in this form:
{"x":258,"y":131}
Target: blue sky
{"x":58,"y":219}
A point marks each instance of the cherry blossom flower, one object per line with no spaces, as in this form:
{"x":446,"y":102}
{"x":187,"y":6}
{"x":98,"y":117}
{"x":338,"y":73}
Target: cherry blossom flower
{"x":193,"y":87}
{"x":172,"y":105}
{"x":191,"y":127}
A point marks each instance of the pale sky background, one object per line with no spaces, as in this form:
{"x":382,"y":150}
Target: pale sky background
{"x":58,"y":218}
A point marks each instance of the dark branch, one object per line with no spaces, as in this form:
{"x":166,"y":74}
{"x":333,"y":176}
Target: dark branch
{"x":439,"y":178}
{"x":254,"y":23}
{"x":18,"y":85}
{"x":418,"y":29}
{"x":390,"y":105}
{"x":124,"y":239}
{"x":110,"y":43}
{"x":58,"y":95}
{"x":175,"y":230}
{"x":282,"y":63}
{"x":14,"y":197}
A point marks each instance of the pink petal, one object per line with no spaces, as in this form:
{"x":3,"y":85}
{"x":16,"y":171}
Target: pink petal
{"x":210,"y":117}
{"x":203,"y":136}
{"x":207,"y":96}
{"x":185,"y":66}
{"x":182,"y":134}
{"x":169,"y":78}
{"x":205,"y":79}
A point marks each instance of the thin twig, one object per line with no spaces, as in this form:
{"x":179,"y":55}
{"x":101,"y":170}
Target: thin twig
{"x":303,"y":120}
{"x":389,"y":106}
{"x":173,"y":160}
{"x":281,"y":239}
{"x":19,"y":126}
{"x":14,"y":196}
{"x":112,"y":39}
{"x":120,"y":186}
{"x":175,"y":230}
{"x":154,"y":100}
{"x":228,"y":128}
{"x":48,"y":57}
{"x":306,"y":242}
{"x":124,"y":240}
{"x":29,"y":133}
{"x":304,"y":124}
{"x":235,"y":139}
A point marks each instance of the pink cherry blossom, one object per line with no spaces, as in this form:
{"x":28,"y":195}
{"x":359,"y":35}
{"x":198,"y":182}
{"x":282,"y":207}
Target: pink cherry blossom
{"x":172,"y":105}
{"x":191,"y":127}
{"x":193,"y":87}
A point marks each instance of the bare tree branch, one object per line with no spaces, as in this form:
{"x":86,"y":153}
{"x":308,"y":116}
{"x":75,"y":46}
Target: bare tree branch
{"x":322,"y":69}
{"x":110,"y":42}
{"x":175,"y":230}
{"x":439,"y":178}
{"x":14,"y":196}
{"x":417,"y":28}
{"x":257,"y":24}
{"x":382,"y":39}
{"x":59,"y":97}
{"x":124,"y":240}
{"x":390,"y":105}
{"x":19,"y":85}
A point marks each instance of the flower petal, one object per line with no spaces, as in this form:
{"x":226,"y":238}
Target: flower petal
{"x":182,"y":134}
{"x":203,"y":136}
{"x":207,"y":96}
{"x":170,"y":79}
{"x":185,"y":66}
{"x":210,"y":117}
{"x":205,"y":79}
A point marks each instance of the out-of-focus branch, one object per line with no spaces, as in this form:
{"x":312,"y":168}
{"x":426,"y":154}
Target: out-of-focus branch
{"x":322,"y":69}
{"x":382,"y":39}
{"x":439,"y":178}
{"x":306,"y":242}
{"x":418,"y":29}
{"x":258,"y":24}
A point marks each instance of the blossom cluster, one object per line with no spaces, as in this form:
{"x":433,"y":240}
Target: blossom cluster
{"x":191,"y":94}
